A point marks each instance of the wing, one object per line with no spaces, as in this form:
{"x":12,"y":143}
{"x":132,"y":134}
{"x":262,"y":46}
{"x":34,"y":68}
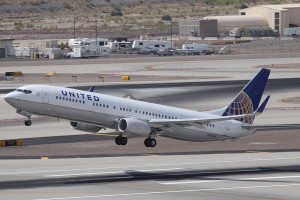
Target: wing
{"x":198,"y":122}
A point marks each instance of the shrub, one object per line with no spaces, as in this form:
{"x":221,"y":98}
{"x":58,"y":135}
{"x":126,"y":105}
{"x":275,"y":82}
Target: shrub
{"x":166,"y":17}
{"x":116,"y":13}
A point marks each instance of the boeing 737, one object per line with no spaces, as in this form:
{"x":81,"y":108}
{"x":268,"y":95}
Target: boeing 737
{"x":89,"y":111}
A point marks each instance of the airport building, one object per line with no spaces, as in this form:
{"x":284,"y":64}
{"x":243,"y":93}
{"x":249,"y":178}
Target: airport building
{"x":276,"y":17}
{"x":6,"y":48}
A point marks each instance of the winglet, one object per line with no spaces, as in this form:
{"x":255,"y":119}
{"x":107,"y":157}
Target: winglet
{"x":91,"y":89}
{"x":263,"y":105}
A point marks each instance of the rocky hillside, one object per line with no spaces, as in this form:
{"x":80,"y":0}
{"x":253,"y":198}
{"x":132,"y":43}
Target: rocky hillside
{"x":43,"y":18}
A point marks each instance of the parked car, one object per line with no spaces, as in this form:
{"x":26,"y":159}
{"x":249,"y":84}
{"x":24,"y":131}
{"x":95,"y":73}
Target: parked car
{"x":166,"y":52}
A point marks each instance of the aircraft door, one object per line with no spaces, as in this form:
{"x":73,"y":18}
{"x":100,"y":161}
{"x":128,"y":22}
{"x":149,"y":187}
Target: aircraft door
{"x":45,"y":95}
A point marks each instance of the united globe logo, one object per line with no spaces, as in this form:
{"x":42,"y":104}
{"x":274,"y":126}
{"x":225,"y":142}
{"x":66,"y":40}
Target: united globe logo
{"x":241,"y":105}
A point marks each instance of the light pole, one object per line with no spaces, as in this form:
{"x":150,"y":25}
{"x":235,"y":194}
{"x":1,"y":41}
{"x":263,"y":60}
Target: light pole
{"x":96,"y":32}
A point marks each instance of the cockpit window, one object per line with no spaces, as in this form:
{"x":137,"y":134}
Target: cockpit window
{"x":24,"y":91}
{"x":27,"y":91}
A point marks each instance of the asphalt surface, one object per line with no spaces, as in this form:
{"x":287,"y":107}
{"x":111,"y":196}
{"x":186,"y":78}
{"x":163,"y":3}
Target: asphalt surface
{"x":244,"y":176}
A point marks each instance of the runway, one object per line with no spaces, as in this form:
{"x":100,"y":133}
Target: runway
{"x":57,"y":162}
{"x":244,"y":176}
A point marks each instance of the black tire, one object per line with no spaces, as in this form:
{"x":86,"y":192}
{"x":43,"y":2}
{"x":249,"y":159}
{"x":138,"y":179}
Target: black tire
{"x":147,"y":142}
{"x":124,"y":141}
{"x":28,"y":123}
{"x":118,"y":140}
{"x":152,"y":142}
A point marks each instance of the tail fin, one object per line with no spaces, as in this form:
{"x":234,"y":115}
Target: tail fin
{"x":247,"y":101}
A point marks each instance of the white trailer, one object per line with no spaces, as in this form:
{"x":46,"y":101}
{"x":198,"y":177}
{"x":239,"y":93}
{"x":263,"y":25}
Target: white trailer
{"x":151,"y":46}
{"x":24,"y":51}
{"x":84,"y":48}
{"x":120,"y":47}
{"x":89,"y":51}
{"x":197,"y":47}
{"x":192,"y":49}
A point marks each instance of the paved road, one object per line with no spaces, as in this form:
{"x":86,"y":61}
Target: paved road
{"x":244,"y":176}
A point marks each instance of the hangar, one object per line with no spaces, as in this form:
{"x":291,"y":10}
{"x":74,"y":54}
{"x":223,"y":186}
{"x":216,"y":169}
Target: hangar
{"x":6,"y":48}
{"x":278,"y":17}
{"x":214,"y":26}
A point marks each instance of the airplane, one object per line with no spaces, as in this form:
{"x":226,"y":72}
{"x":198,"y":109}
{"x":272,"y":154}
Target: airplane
{"x":90,"y":112}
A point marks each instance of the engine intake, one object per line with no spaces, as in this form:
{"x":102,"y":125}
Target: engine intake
{"x":134,"y":127}
{"x":85,"y":127}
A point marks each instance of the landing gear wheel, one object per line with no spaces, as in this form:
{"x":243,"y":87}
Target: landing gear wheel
{"x":118,"y":140}
{"x":28,"y":123}
{"x":124,"y":141}
{"x":121,"y":140}
{"x":147,"y":142}
{"x":150,"y":142}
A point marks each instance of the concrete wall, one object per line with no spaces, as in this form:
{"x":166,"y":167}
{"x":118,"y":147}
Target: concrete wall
{"x":188,"y":28}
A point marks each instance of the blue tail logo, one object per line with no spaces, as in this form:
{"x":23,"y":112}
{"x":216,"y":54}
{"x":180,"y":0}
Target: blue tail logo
{"x":247,"y":101}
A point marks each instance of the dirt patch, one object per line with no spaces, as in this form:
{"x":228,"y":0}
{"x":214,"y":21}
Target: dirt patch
{"x":295,"y":100}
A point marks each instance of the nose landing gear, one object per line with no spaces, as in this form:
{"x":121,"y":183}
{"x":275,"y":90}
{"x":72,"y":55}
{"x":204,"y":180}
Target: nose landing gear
{"x":28,"y":122}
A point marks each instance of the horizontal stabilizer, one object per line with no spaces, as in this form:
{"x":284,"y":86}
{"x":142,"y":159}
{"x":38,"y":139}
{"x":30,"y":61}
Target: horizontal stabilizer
{"x":92,"y":89}
{"x":272,"y":127}
{"x":263,"y":105}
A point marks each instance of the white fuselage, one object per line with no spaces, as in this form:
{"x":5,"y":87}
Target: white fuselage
{"x":105,"y":110}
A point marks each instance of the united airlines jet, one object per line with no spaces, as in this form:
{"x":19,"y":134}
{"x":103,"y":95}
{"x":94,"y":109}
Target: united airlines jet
{"x":90,"y":112}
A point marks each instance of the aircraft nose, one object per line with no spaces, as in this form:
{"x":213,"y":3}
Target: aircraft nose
{"x":9,"y":97}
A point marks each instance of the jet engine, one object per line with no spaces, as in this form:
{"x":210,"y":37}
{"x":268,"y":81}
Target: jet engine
{"x":85,"y":127}
{"x":134,"y":127}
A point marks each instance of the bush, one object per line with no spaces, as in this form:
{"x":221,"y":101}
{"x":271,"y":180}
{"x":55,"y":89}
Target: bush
{"x":243,"y":6}
{"x":19,"y":25}
{"x":166,"y":17}
{"x":67,"y":6}
{"x":116,"y":13}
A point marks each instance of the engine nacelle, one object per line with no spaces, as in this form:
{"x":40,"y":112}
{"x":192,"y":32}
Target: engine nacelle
{"x":85,"y":127}
{"x":134,"y":127}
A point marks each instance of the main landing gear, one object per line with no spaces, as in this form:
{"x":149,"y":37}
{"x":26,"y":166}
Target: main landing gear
{"x":150,"y":142}
{"x":120,"y":140}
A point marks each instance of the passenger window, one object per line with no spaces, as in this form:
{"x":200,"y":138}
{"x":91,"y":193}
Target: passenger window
{"x":56,"y":97}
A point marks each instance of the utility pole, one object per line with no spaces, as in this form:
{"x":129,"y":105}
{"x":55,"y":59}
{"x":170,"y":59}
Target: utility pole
{"x":171,"y":34}
{"x":74,"y":28}
{"x":96,"y":33}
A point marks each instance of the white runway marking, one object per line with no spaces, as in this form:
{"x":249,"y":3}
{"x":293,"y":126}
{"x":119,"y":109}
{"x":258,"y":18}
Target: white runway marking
{"x":171,"y":191}
{"x":143,"y":166}
{"x":229,"y":180}
{"x":116,"y":172}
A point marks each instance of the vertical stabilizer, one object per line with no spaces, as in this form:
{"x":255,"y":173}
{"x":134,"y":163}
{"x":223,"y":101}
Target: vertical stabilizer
{"x":247,"y":101}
